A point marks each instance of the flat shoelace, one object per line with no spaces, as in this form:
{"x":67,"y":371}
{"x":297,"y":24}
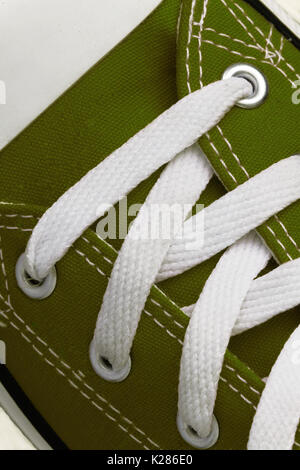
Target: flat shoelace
{"x":232,"y":299}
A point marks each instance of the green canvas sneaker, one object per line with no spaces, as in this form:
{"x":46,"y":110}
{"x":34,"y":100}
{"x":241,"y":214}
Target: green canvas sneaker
{"x":150,"y":228}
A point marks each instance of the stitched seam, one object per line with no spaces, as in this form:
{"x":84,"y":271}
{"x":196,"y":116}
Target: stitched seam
{"x":282,"y":42}
{"x":279,"y":241}
{"x":4,"y":272}
{"x":85,"y":395}
{"x":71,"y":382}
{"x":187,"y":51}
{"x":275,"y":236}
{"x":242,"y":25}
{"x":268,"y":54}
{"x":244,"y":56}
{"x":97,"y":250}
{"x":250,"y":403}
{"x":91,"y":263}
{"x":224,"y":35}
{"x":261,"y":33}
{"x":264,"y":36}
{"x":94,"y":265}
{"x":201,"y":25}
{"x":233,"y":153}
{"x":237,"y":159}
{"x":221,"y":46}
{"x":158,"y":323}
{"x":287,"y":233}
{"x":221,"y":158}
{"x":77,"y":376}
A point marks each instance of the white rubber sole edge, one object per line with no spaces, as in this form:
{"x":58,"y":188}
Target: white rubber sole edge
{"x":16,"y":431}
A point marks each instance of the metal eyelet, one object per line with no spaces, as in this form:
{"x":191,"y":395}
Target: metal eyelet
{"x":192,"y":437}
{"x":31,"y":287}
{"x":256,"y":78}
{"x":104,"y":369}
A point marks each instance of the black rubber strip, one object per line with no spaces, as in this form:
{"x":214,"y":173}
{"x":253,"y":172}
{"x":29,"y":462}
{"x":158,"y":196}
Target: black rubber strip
{"x":29,"y":411}
{"x":282,"y":28}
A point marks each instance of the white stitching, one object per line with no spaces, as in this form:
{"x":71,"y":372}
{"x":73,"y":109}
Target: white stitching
{"x":220,"y":158}
{"x":280,"y":52}
{"x":61,"y":361}
{"x":269,"y":55}
{"x":233,"y":153}
{"x":4,"y":272}
{"x":76,"y":375}
{"x":97,"y":250}
{"x":249,"y":402}
{"x":16,"y":228}
{"x":242,"y":25}
{"x":60,"y":372}
{"x":90,"y":262}
{"x":163,"y":327}
{"x":224,"y":35}
{"x":201,"y":24}
{"x":263,"y":35}
{"x":236,"y":157}
{"x":238,"y":160}
{"x":187,"y":59}
{"x":242,"y":379}
{"x":287,"y":233}
{"x":221,"y":46}
{"x":240,"y":54}
{"x":169,"y":315}
{"x":279,"y":242}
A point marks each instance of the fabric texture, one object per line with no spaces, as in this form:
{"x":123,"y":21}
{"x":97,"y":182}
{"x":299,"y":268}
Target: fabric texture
{"x":213,"y":35}
{"x":48,"y":341}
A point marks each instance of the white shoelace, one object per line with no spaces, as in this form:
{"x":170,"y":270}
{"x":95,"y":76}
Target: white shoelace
{"x":232,"y":300}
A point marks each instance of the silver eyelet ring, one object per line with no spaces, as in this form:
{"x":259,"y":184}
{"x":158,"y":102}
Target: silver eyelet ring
{"x":193,"y":439}
{"x":257,"y":80}
{"x":104,"y":369}
{"x":31,"y":287}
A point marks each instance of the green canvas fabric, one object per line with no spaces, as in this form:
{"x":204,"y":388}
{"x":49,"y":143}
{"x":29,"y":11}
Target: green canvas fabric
{"x":47,"y":351}
{"x":212,"y":36}
{"x":48,"y":341}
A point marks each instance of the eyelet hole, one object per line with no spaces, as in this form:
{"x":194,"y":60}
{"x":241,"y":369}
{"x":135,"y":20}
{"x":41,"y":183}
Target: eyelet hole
{"x":104,"y":368}
{"x":192,"y":431}
{"x":34,"y":288}
{"x":32,"y":282}
{"x":256,"y":79}
{"x":250,"y":79}
{"x":190,"y":435}
{"x":105,"y":363}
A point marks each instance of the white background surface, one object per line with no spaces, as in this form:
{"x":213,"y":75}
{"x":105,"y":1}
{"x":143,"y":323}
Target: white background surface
{"x":293,"y":6}
{"x":45,"y":46}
